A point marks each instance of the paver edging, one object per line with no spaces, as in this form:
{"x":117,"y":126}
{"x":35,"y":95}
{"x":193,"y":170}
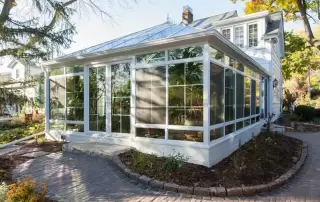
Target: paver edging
{"x":218,"y":191}
{"x":202,"y":191}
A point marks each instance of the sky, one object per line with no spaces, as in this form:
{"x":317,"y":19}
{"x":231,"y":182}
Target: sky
{"x":92,"y":29}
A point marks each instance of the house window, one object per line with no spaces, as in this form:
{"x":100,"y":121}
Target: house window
{"x":253,"y":97}
{"x":247,"y":89}
{"x":239,"y":36}
{"x":240,"y":96}
{"x":120,"y":98}
{"x":17,"y":73}
{"x":184,"y":53}
{"x":216,"y":94}
{"x":97,"y":99}
{"x":75,"y":97}
{"x":229,"y":95}
{"x":226,"y":33}
{"x":151,"y":95}
{"x":185,"y":88}
{"x":217,"y":55}
{"x":253,"y":35}
{"x":151,"y":58}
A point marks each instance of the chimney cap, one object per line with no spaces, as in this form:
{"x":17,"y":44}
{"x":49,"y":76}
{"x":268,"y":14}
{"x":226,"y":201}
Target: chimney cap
{"x":187,"y":8}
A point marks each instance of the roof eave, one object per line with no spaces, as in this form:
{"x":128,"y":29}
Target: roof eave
{"x":199,"y":36}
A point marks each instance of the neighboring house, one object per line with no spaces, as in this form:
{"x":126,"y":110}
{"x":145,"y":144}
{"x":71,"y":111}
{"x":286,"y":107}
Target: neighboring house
{"x":200,"y":88}
{"x":21,"y":73}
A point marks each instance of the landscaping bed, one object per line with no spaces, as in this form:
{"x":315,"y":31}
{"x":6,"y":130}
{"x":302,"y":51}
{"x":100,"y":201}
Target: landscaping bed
{"x":260,"y":161}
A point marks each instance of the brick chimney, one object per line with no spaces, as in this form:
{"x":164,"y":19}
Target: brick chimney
{"x":187,"y":15}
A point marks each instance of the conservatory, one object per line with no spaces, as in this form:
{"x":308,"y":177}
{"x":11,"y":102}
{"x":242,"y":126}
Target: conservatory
{"x":181,"y":91}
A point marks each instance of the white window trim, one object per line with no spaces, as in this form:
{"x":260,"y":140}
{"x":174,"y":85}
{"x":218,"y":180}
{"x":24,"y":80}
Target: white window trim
{"x":234,"y":36}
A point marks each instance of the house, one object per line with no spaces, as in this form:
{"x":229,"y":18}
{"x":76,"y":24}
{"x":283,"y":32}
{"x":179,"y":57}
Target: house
{"x":200,"y":88}
{"x":21,"y":73}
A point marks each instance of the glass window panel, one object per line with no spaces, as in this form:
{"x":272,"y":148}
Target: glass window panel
{"x":151,"y":57}
{"x":258,"y":97}
{"x":253,"y":35}
{"x":193,"y":136}
{"x":115,"y":124}
{"x":226,"y":33}
{"x":186,"y":94}
{"x":120,"y":97}
{"x":75,"y":98}
{"x":247,"y":96}
{"x":229,"y":129}
{"x":247,"y":71}
{"x":57,"y":126}
{"x":266,"y":98}
{"x":151,"y":95}
{"x":239,"y":66}
{"x":57,"y":98}
{"x":183,"y":53}
{"x":239,"y":125}
{"x":58,"y":71}
{"x":239,"y":36}
{"x":229,"y":95}
{"x":97,"y":99}
{"x":240,"y":96}
{"x":75,"y":127}
{"x":74,"y":69}
{"x":247,"y":123}
{"x":150,"y":133}
{"x":216,"y":94}
{"x":253,"y":97}
{"x":253,"y":120}
{"x":194,"y":95}
{"x":216,"y":55}
{"x":216,"y":133}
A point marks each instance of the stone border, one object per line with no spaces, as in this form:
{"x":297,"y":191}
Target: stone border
{"x":215,"y":191}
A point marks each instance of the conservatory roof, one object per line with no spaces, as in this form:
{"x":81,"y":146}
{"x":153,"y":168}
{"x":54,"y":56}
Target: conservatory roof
{"x":162,"y":31}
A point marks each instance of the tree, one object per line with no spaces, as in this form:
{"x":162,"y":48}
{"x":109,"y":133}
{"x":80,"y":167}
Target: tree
{"x":293,"y":10}
{"x":44,"y":30}
{"x":298,"y":58}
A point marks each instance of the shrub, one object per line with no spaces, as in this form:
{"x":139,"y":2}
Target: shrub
{"x":174,"y":162}
{"x":18,"y":133}
{"x":27,"y":191}
{"x":305,"y":113}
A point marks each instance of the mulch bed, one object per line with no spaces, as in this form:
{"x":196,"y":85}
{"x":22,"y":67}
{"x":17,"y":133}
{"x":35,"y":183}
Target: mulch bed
{"x":260,"y":161}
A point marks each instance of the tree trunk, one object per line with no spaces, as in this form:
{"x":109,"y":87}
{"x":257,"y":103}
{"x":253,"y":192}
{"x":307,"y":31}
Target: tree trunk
{"x":303,"y":12}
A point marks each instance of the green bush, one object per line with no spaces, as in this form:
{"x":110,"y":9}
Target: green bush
{"x":8,"y":125}
{"x":174,"y":162}
{"x":305,"y":113}
{"x":18,"y":133}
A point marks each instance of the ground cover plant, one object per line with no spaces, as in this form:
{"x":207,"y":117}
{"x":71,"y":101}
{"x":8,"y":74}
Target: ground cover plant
{"x":259,"y":161}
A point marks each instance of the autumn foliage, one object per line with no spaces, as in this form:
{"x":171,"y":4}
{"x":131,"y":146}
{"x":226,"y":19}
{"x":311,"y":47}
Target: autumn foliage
{"x":27,"y":190}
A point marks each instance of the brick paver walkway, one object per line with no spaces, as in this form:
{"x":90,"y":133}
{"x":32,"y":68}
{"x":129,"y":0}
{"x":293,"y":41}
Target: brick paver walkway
{"x":77,"y":177}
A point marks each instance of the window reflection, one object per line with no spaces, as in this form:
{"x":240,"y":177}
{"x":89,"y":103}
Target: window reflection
{"x":151,"y":95}
{"x":194,"y":136}
{"x":247,"y":96}
{"x":253,"y":97}
{"x":150,"y":57}
{"x":186,"y":94}
{"x":57,"y":98}
{"x":75,"y":98}
{"x":97,"y":99}
{"x":229,"y":95}
{"x":150,"y":133}
{"x":120,"y":98}
{"x":216,"y":94}
{"x":240,"y":96}
{"x":216,"y":133}
{"x":183,"y":53}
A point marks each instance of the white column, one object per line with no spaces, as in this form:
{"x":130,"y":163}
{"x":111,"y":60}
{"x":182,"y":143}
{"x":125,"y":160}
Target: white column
{"x":206,"y":94}
{"x":133,"y":97}
{"x":86,"y":99}
{"x":47,"y":100}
